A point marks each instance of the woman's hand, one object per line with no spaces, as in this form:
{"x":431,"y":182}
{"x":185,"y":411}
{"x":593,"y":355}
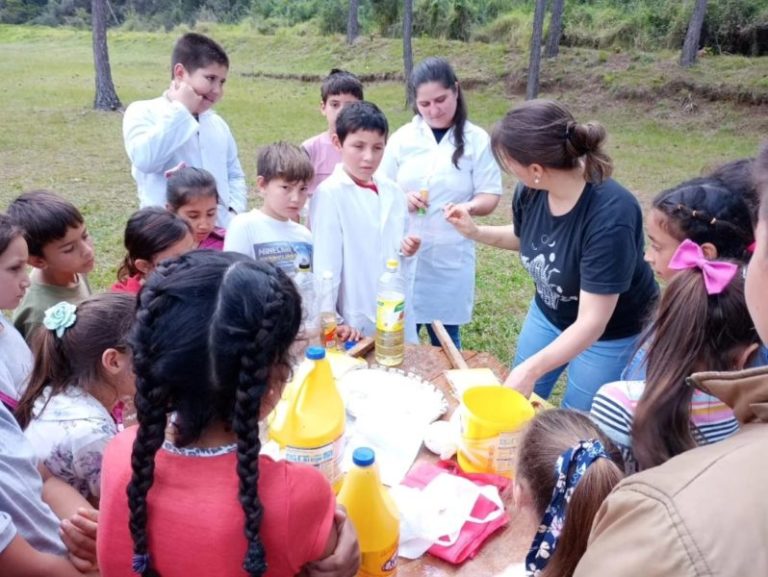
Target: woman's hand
{"x":345,"y":559}
{"x":521,"y":379}
{"x":410,"y":245}
{"x":416,"y":201}
{"x":458,"y":216}
{"x":347,"y":333}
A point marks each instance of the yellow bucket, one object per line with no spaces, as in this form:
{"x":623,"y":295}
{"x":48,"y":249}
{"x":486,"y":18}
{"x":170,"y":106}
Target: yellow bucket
{"x":491,"y":420}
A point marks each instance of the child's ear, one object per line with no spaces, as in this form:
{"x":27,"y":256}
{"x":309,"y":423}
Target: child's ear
{"x":261,"y":184}
{"x":521,"y":495}
{"x":112,"y":361}
{"x":335,"y":141}
{"x":179,"y":72}
{"x":143,"y":266}
{"x":744,"y":358}
{"x":709,"y":250}
{"x":37,"y":261}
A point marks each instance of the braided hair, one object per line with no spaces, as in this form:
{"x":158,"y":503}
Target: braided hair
{"x":211,"y":338}
{"x":705,"y":210}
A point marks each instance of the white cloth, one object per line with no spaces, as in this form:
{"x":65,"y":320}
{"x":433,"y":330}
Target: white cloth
{"x":159,"y":134}
{"x":15,"y":361}
{"x":355,"y":232}
{"x":69,"y":436}
{"x":444,"y":268}
{"x":283,"y":243}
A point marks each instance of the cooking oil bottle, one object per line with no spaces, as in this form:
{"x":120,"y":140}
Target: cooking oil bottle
{"x":390,"y":317}
{"x":310,"y":426}
{"x":374,"y":515}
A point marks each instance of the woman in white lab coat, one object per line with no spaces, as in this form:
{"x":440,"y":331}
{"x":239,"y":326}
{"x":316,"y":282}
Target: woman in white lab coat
{"x":441,"y":152}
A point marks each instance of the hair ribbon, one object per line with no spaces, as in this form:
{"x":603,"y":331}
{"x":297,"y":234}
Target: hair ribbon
{"x":570,"y":468}
{"x":717,"y":274}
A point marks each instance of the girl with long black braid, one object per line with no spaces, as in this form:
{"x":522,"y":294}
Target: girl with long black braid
{"x":210,"y":345}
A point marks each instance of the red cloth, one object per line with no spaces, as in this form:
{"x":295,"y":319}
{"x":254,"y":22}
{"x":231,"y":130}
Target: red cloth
{"x":131,"y":284}
{"x":196,"y":521}
{"x":472,"y":535}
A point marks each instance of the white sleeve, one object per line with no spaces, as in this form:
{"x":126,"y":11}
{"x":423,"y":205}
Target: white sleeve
{"x":238,"y":191}
{"x":87,"y":441}
{"x":7,"y":531}
{"x":327,"y":238}
{"x":237,"y":238}
{"x":486,"y":175}
{"x":151,"y":134}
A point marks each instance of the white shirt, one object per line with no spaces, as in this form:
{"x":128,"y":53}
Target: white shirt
{"x":355,"y":232}
{"x":283,"y":243}
{"x":69,"y":436}
{"x":444,"y":267}
{"x":159,"y":134}
{"x":15,"y":361}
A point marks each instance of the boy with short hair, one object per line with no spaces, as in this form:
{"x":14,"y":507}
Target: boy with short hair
{"x":338,"y":89}
{"x":60,"y":250}
{"x":359,"y":219}
{"x":271,"y":233}
{"x":180,"y":129}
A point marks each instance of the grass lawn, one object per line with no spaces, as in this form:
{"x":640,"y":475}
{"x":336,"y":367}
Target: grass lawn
{"x":51,"y":137}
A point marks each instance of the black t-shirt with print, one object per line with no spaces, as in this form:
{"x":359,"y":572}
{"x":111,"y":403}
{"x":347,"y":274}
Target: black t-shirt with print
{"x":596,"y":247}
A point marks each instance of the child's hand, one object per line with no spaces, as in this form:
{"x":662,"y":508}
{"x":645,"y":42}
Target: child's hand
{"x":347,"y":333}
{"x":416,"y":201}
{"x":410,"y":245}
{"x":181,"y":91}
{"x":171,"y":171}
{"x":79,"y":536}
{"x":345,"y":559}
{"x":458,"y":216}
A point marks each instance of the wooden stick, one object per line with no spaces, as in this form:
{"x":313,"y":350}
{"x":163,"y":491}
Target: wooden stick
{"x":362,"y":347}
{"x":454,"y":355}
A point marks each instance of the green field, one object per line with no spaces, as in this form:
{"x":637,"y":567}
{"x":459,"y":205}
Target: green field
{"x":51,"y":138}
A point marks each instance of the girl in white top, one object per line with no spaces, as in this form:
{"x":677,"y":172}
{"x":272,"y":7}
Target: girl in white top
{"x":15,"y":356}
{"x":82,"y":370}
{"x":441,"y":152}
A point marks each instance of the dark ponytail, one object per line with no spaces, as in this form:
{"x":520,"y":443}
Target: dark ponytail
{"x":232,"y":319}
{"x":439,"y":70}
{"x":544,"y":132}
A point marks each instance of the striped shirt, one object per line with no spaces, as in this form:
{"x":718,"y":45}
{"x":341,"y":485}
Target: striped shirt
{"x":613,"y":410}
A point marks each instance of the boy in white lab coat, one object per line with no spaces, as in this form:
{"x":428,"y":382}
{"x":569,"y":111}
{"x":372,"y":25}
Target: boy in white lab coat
{"x":359,"y":220}
{"x":179,"y":129}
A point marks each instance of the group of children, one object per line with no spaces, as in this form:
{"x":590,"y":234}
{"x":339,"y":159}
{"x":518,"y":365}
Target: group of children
{"x":204,"y":349}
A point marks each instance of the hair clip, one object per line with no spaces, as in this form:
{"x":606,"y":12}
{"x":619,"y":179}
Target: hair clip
{"x":693,"y":213}
{"x":713,"y":221}
{"x":60,"y":317}
{"x":568,"y":130}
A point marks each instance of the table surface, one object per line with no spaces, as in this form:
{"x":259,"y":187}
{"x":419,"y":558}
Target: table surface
{"x":507,"y":546}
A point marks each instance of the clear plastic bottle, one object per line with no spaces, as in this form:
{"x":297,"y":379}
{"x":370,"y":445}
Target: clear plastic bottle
{"x":309,"y":427}
{"x":327,"y":311}
{"x":390,"y":317}
{"x":310,"y":322}
{"x":374,"y":515}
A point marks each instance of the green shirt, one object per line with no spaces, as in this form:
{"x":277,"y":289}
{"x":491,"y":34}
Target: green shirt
{"x":39,"y":297}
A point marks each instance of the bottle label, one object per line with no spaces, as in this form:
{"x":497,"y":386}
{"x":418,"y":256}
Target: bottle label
{"x":326,"y":458}
{"x":379,"y":563}
{"x":390,"y":314}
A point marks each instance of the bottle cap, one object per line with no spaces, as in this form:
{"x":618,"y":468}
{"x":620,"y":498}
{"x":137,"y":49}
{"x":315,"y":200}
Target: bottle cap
{"x":363,"y":457}
{"x":304,"y":266}
{"x":392,"y":264}
{"x":349,"y":345}
{"x":315,"y":353}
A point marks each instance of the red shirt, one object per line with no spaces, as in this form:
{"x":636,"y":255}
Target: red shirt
{"x":196,"y":522}
{"x":131,"y":284}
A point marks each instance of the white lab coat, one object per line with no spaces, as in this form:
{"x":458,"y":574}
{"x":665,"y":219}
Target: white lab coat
{"x":159,"y":134}
{"x":354,"y":232}
{"x":444,"y":268}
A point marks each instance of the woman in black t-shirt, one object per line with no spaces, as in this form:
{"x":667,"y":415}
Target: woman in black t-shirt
{"x":580,"y":236}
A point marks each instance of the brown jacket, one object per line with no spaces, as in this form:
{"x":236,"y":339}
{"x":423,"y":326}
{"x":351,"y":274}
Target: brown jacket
{"x":703,"y":513}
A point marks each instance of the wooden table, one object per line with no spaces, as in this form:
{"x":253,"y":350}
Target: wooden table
{"x":507,"y":546}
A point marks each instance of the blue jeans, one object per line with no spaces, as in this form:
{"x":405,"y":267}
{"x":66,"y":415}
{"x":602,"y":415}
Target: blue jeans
{"x":601,"y":363}
{"x":452,"y":330}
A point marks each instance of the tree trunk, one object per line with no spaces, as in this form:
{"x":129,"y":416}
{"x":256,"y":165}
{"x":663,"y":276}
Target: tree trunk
{"x":555,"y":29}
{"x":353,"y":26}
{"x":692,"y":37}
{"x":532,"y":90}
{"x":106,"y":96}
{"x":407,"y":48}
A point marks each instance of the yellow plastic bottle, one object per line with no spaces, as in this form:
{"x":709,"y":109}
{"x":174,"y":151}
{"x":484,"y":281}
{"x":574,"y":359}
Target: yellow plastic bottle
{"x":310,"y":427}
{"x":374,"y":515}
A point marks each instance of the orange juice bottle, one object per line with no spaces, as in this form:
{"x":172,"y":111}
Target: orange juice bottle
{"x":310,"y":427}
{"x":374,"y":515}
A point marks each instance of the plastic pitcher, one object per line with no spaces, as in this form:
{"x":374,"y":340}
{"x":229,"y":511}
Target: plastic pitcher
{"x":373,"y":513}
{"x":309,"y":423}
{"x":491,"y":420}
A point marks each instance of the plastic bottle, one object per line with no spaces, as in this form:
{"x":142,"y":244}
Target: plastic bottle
{"x":374,"y":515}
{"x":327,"y":311}
{"x":417,"y":220}
{"x":390,"y":317}
{"x":310,"y":428}
{"x":310,"y":322}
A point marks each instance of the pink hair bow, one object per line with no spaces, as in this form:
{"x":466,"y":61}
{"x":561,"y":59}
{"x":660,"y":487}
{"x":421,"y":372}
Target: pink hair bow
{"x":717,"y":274}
